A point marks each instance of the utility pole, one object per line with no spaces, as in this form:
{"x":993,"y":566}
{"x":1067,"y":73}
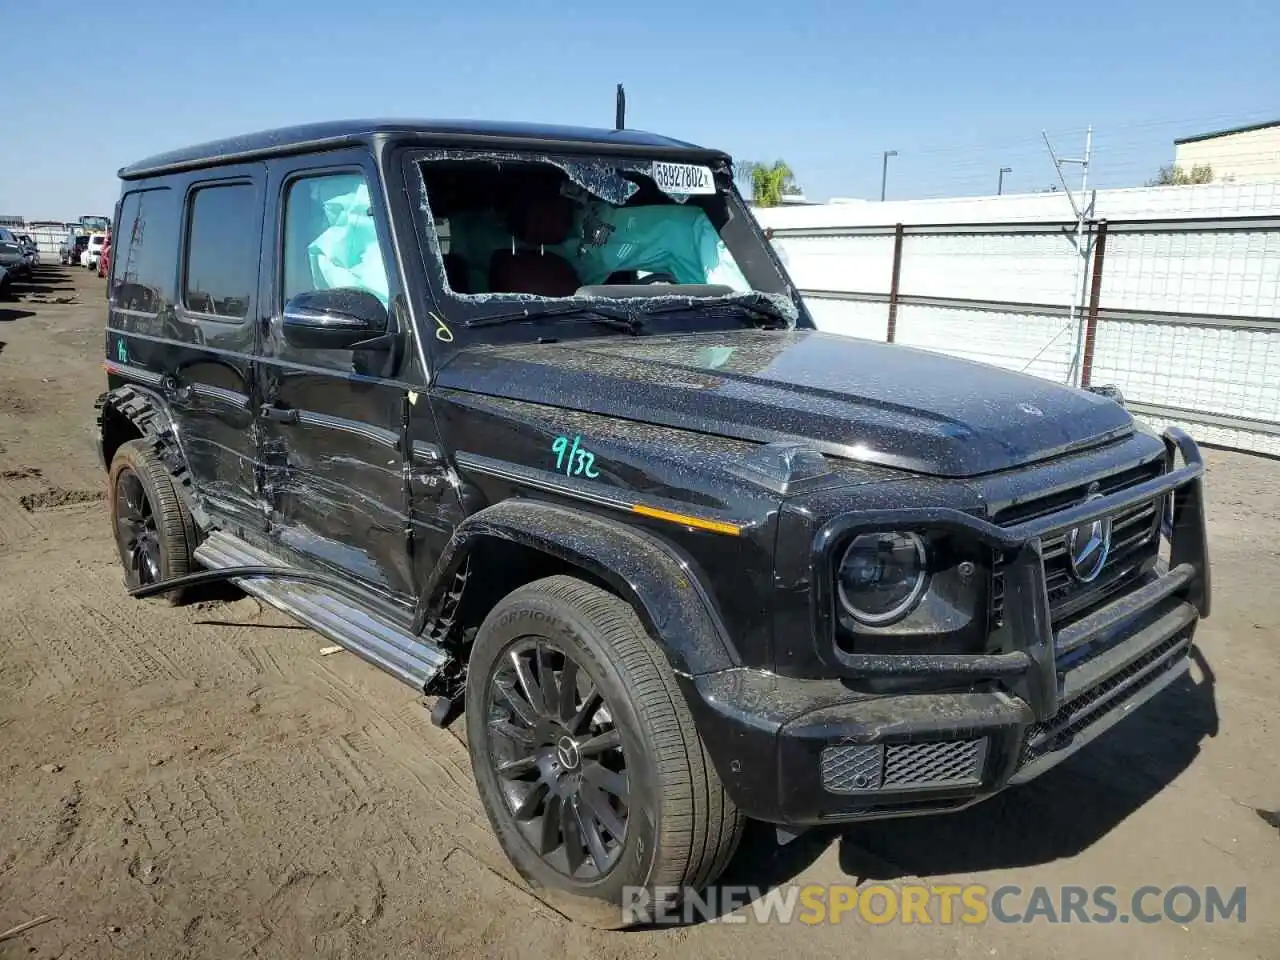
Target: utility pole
{"x":1000,"y":182}
{"x":884,"y":170}
{"x":1082,"y":212}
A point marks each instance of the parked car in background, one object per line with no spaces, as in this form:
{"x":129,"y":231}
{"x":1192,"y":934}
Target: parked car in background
{"x":93,"y":251}
{"x":4,"y":283}
{"x":13,"y":256}
{"x":72,"y":247}
{"x":104,"y":261}
{"x":31,"y":251}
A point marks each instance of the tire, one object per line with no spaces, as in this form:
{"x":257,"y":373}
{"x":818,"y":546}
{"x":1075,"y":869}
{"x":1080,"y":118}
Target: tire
{"x":154,"y":532}
{"x":680,"y":827}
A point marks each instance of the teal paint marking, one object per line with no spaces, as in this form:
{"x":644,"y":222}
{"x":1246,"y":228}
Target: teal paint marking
{"x":574,"y":460}
{"x":122,"y":351}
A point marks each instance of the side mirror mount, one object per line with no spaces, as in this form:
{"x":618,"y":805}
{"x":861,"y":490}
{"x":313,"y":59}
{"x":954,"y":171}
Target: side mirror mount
{"x":339,"y":319}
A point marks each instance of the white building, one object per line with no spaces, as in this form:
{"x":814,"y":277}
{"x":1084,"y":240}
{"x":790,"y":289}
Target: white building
{"x":1241,"y":155}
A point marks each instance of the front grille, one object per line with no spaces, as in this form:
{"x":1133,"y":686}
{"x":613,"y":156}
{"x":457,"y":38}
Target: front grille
{"x":1081,"y":711}
{"x":1135,"y":542}
{"x":855,"y":768}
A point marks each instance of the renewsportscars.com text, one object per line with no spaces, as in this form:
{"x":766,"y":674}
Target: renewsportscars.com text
{"x":936,"y":904}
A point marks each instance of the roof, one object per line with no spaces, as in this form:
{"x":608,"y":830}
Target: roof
{"x":1229,"y":131}
{"x":453,"y":133}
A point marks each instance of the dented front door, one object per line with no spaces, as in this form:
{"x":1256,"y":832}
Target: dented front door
{"x":330,"y":428}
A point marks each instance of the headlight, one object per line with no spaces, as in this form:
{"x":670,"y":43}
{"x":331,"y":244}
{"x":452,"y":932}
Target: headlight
{"x":882,"y":576}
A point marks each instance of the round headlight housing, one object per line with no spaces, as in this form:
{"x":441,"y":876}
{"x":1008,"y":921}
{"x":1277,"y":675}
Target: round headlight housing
{"x":882,"y":576}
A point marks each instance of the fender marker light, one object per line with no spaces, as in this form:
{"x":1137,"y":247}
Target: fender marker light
{"x":715,"y":526}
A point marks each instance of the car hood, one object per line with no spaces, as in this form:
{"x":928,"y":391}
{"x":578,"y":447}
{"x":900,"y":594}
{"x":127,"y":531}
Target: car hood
{"x":850,"y":398}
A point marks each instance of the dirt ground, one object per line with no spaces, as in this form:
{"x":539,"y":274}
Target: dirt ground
{"x":200,"y":781}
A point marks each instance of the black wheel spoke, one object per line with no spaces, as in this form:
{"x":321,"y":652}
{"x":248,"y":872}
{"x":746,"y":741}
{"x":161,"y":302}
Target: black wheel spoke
{"x":591,"y":833}
{"x":127,"y":530}
{"x":528,"y":684}
{"x":521,"y":707}
{"x":551,"y":830}
{"x":605,"y":815}
{"x":132,"y":498}
{"x":569,"y":691}
{"x":600,"y":776}
{"x":547,"y":688}
{"x":515,"y":769}
{"x":575,"y":849}
{"x":590,"y":704}
{"x":528,"y":808}
{"x":608,"y":740}
{"x":519,"y":736}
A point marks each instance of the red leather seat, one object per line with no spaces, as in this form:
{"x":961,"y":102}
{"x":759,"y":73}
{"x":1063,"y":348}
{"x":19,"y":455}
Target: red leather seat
{"x":543,"y":220}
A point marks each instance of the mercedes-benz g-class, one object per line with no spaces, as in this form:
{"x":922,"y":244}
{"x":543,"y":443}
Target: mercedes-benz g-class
{"x":533,"y":419}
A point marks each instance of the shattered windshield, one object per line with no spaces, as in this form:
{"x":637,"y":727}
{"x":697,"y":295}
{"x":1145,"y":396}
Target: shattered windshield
{"x":522,"y":238}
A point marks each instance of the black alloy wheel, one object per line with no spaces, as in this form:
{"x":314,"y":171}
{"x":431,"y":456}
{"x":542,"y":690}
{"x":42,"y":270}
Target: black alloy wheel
{"x":587,"y":760}
{"x":559,"y":758}
{"x":154,"y":531}
{"x":136,"y":531}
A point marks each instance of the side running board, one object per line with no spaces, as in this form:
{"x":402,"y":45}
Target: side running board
{"x":367,"y":635}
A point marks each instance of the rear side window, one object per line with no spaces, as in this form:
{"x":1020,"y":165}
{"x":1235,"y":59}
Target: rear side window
{"x":222,"y":251}
{"x":142,"y":265}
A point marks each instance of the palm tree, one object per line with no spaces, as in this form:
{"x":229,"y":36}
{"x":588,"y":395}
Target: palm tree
{"x":769,"y":182}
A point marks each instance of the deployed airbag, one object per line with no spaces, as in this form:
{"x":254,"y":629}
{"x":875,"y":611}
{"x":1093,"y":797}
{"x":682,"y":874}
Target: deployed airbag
{"x":346,"y":254}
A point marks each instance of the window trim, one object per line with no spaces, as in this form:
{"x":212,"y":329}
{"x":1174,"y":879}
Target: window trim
{"x":188,"y":218}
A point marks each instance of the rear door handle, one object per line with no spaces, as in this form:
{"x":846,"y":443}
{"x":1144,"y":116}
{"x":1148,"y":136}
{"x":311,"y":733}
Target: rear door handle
{"x":269,"y":411}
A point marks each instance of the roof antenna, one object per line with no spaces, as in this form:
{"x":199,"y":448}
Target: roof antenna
{"x":620,"y":119}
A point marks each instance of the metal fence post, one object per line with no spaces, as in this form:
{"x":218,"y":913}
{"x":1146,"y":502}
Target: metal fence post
{"x":892,"y":330}
{"x":1095,"y":294}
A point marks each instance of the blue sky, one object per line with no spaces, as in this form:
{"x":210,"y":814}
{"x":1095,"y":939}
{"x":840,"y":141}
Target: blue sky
{"x":958,"y":88}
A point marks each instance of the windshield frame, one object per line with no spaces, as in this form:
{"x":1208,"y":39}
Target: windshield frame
{"x":448,"y":323}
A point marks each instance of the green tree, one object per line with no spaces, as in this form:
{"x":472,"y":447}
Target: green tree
{"x":768,"y":182}
{"x":1175,"y":176}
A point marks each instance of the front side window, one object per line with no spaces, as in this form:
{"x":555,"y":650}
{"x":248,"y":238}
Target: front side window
{"x":330,"y":237}
{"x":222,"y":251}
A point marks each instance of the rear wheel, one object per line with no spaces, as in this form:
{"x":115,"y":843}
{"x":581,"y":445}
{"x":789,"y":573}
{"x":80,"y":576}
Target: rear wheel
{"x":154,"y":532}
{"x":587,"y":760}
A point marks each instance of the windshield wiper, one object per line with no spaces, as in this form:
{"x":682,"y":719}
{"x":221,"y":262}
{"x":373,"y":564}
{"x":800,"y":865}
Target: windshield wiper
{"x":615,"y":318}
{"x":761,"y":312}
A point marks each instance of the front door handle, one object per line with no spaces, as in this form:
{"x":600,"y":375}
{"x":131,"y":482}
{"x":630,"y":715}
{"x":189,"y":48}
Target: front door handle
{"x":269,"y":411}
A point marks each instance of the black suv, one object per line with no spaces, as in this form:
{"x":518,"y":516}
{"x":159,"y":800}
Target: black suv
{"x":533,"y":419}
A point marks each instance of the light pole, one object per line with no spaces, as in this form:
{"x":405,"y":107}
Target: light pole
{"x":1000,"y":183}
{"x":884,"y":170}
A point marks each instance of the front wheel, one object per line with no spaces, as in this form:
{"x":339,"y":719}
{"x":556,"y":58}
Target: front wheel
{"x":155,"y":534}
{"x":587,"y":759}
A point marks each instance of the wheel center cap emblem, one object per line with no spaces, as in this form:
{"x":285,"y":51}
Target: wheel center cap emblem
{"x":1088,"y":545}
{"x":567,"y":753}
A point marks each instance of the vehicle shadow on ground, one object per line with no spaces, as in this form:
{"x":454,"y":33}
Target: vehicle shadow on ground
{"x":1061,"y":814}
{"x":12,"y":313}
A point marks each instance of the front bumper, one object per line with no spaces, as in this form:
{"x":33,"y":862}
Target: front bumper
{"x":800,"y":752}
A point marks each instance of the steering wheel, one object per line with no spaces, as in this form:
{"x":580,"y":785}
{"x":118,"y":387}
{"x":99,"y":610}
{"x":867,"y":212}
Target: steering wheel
{"x":658,"y":277}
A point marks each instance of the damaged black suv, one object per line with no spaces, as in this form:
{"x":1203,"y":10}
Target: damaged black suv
{"x":533,"y":419}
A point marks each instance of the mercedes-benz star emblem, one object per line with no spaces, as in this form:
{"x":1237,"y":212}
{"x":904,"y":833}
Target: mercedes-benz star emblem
{"x":567,"y":752}
{"x":1089,"y":544}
